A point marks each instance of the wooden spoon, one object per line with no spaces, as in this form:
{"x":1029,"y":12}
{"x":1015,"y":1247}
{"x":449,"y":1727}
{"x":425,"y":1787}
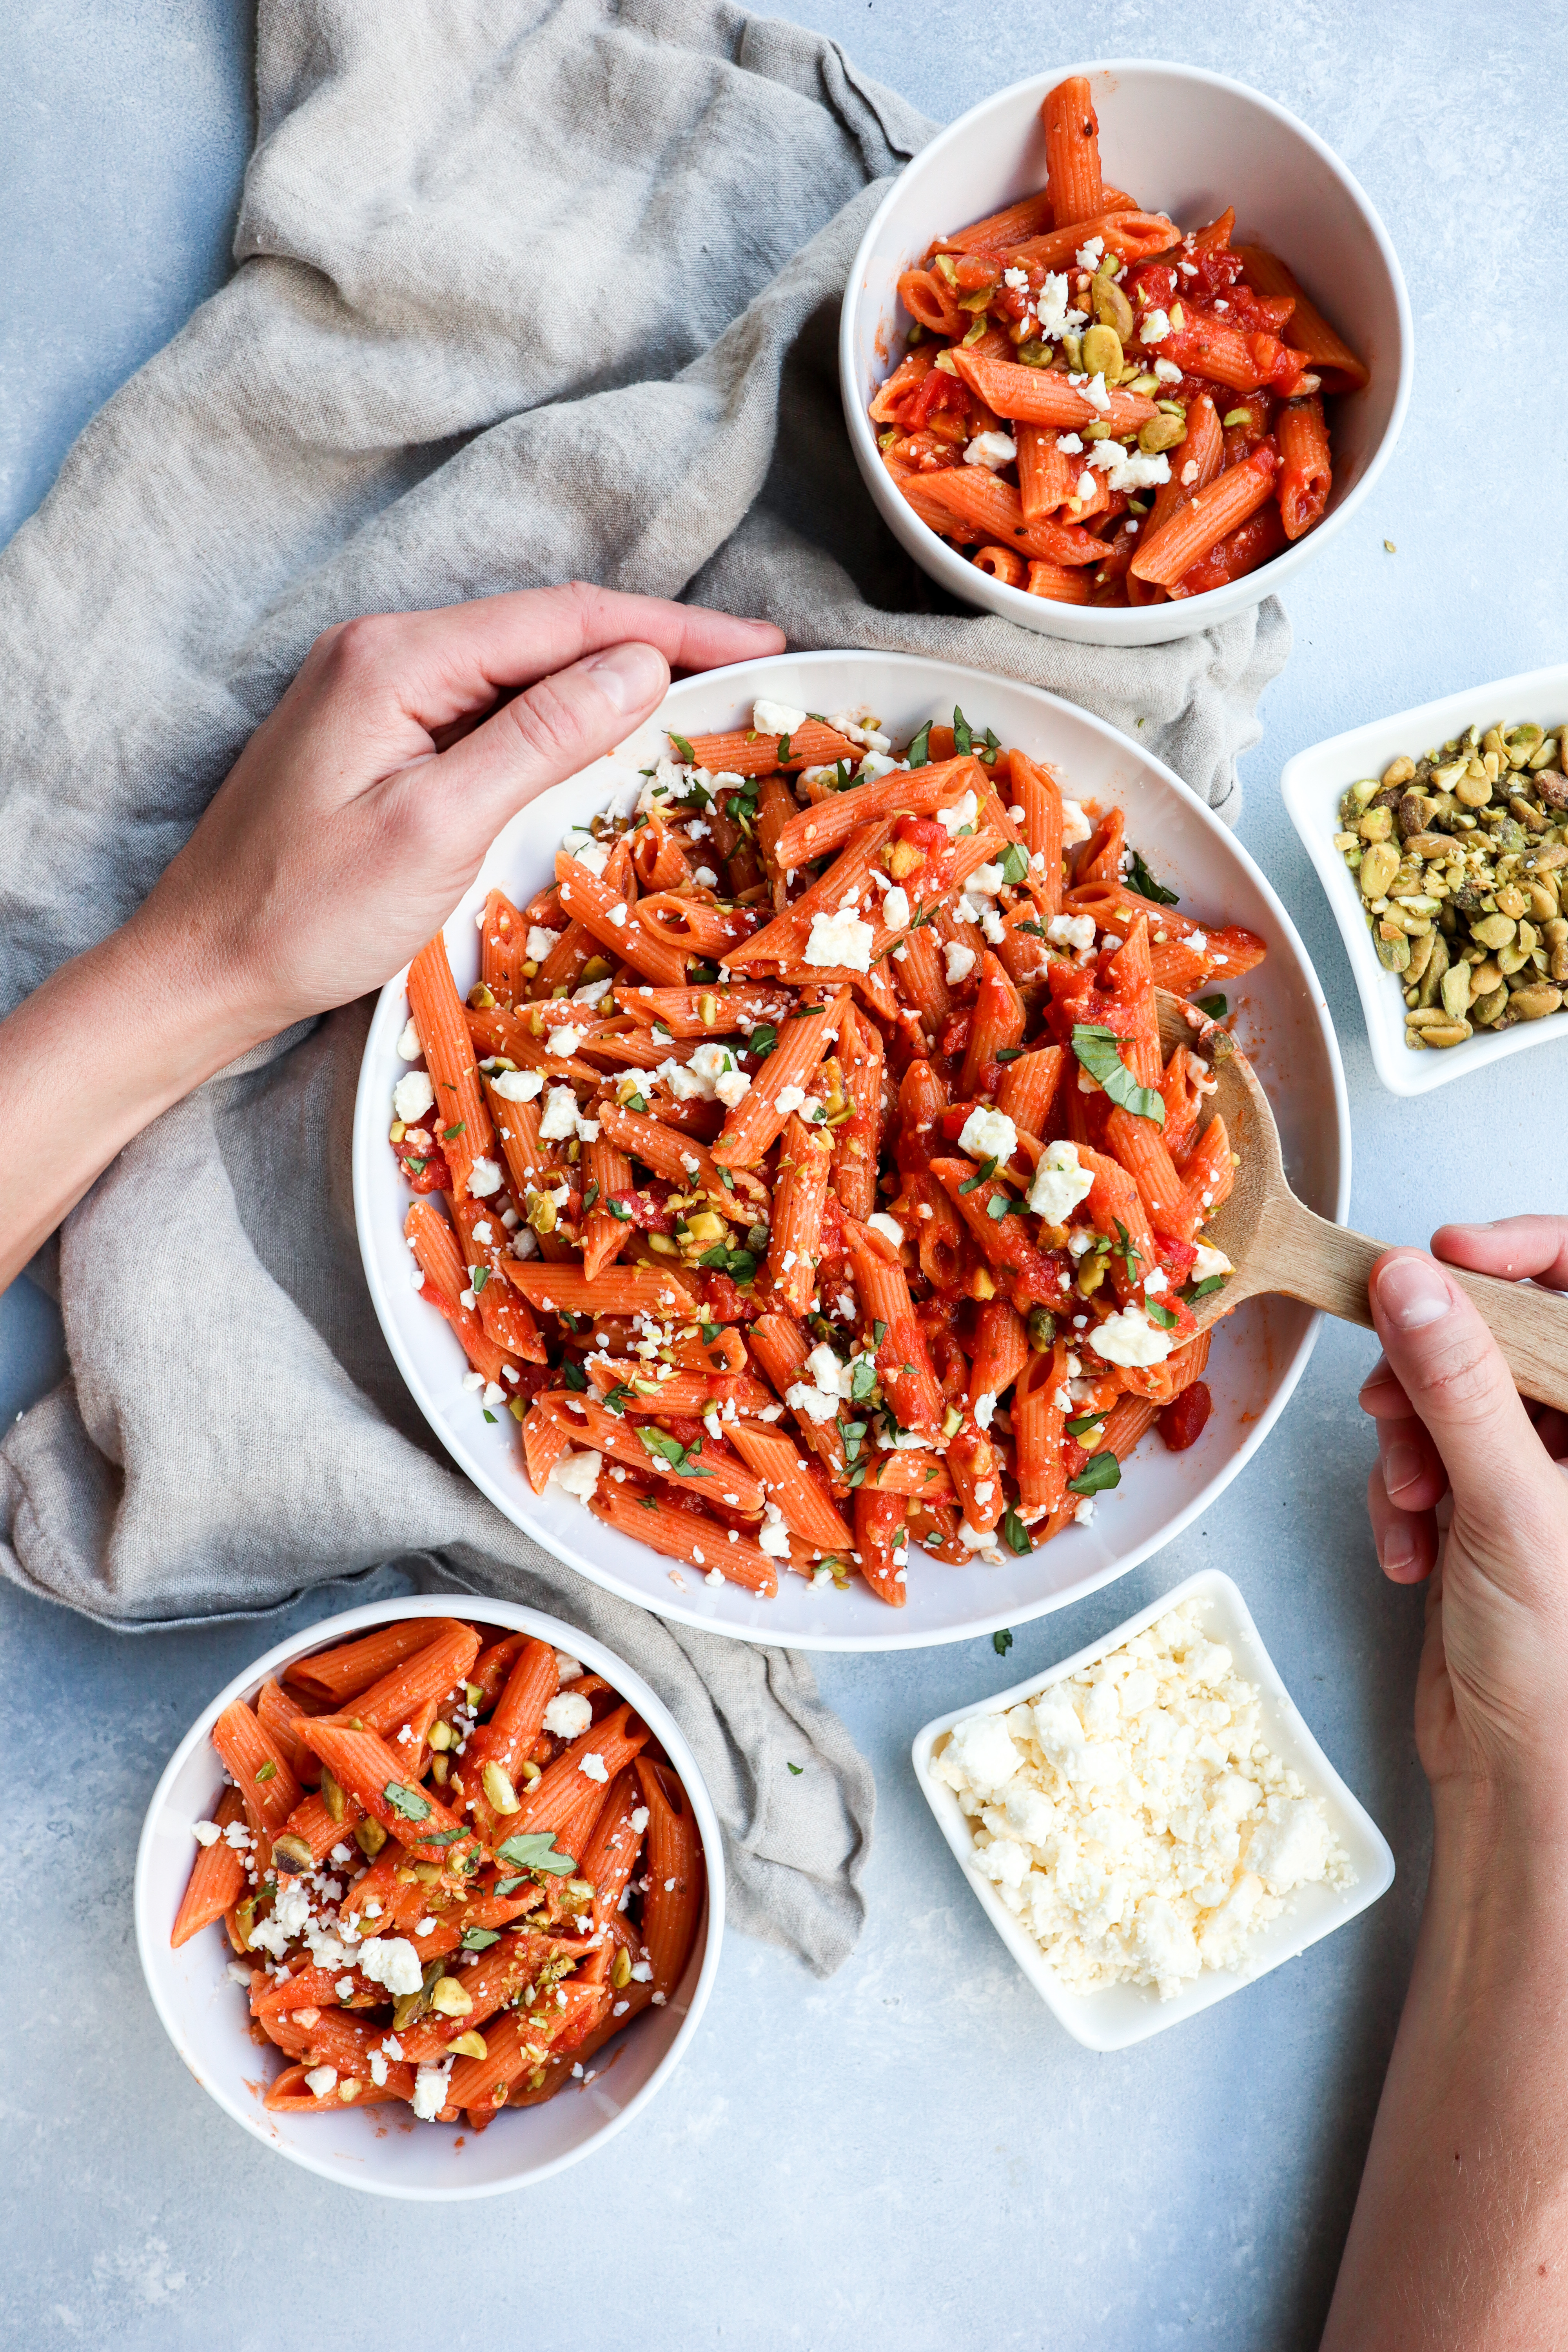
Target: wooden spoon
{"x":1276,"y":1244}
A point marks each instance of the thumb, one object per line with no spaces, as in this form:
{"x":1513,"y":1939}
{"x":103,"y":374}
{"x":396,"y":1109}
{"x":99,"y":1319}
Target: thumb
{"x":1453,"y":1373}
{"x":549,"y":732}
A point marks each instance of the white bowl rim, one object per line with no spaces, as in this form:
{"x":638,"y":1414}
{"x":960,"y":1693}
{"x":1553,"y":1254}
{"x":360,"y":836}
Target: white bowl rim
{"x":1207,"y":1584}
{"x":369,"y":1137}
{"x":325,"y":1632}
{"x":1214,"y":604}
{"x":1303,"y":789}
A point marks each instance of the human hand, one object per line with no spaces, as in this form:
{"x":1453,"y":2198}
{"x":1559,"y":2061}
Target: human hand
{"x":1467,"y":1482}
{"x":358,"y":814}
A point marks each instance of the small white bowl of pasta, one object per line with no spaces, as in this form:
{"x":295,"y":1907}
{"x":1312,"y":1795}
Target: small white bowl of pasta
{"x":337,"y":2120}
{"x":1174,"y":141}
{"x":1258,"y":1353}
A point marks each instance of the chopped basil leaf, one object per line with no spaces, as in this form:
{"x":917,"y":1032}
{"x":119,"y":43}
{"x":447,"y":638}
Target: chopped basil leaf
{"x":782,"y":753}
{"x":535,"y":1849}
{"x":1080,"y":1427}
{"x":448,"y":1132}
{"x":963,"y":736}
{"x":618,"y":1211}
{"x":1002,"y":1639}
{"x":479,"y":1939}
{"x":590,"y":1196}
{"x":1102,"y":1472}
{"x":267,"y":1771}
{"x":1015,"y":863}
{"x":1161,"y":1315}
{"x":1002,"y":1204}
{"x":1009,"y":1052}
{"x":407,"y":1801}
{"x":688,"y":756}
{"x":796,"y":1768}
{"x":763,"y":1039}
{"x":1015,"y":1531}
{"x":1206,"y":1289}
{"x":982,"y":1175}
{"x":879,"y":1333}
{"x":444,"y":1837}
{"x":478,"y":1276}
{"x":417,"y":1167}
{"x":919,"y":753}
{"x":1131,"y":1257}
{"x":1215,"y":1006}
{"x":505,"y":1887}
{"x":1099,"y":1050}
{"x":669,"y":1449}
{"x":487,"y":1414}
{"x":862,"y":1378}
{"x":710,"y":1332}
{"x":619,"y":1397}
{"x":1139,"y":879}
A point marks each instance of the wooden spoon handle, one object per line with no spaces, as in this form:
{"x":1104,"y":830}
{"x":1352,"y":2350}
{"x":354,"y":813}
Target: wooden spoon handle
{"x":1329,"y":1266}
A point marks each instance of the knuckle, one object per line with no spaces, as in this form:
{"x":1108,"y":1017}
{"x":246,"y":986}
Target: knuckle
{"x":357,"y":648}
{"x":546,"y":723}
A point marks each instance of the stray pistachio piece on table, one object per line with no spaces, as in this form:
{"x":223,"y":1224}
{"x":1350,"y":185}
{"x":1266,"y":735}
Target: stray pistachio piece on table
{"x":1460,"y":855}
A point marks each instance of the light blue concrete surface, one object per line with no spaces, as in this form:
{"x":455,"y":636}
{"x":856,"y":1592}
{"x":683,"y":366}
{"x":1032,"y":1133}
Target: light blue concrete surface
{"x":912,"y":2153}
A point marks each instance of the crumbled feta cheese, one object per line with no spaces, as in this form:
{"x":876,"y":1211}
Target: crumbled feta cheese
{"x":541,"y":942}
{"x":577,"y":1473}
{"x":790,"y":1099}
{"x":391,"y":1961}
{"x":1189,"y":473}
{"x":1145,"y":1828}
{"x":839,"y":938}
{"x":1129,"y":469}
{"x":560,"y":1116}
{"x":1208,"y":1262}
{"x":991,"y":450}
{"x":965,"y":812}
{"x":320,"y":2079}
{"x":1071,"y":931}
{"x":1096,"y":395}
{"x":985,"y":1408}
{"x":594,"y":854}
{"x":777,"y":718}
{"x":1076,"y":826}
{"x":412,"y":1096}
{"x":593,"y":1766}
{"x":517,"y":1085}
{"x":1090,"y":253}
{"x":430,"y":2090}
{"x":988,"y":1135}
{"x":409,"y":1046}
{"x":484,"y":1178}
{"x":895,"y":909}
{"x":889,"y":1227}
{"x":1168,"y":371}
{"x":1070,"y":444}
{"x":1155,"y":326}
{"x":568,"y":1715}
{"x":1060,"y":1183}
{"x":960,"y":962}
{"x":1130,"y":1338}
{"x":206,"y":1832}
{"x":981,"y":1750}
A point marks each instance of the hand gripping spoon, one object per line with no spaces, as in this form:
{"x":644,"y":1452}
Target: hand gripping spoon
{"x":1276,"y":1244}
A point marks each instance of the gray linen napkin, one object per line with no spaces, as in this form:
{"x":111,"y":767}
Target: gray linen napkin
{"x":524,"y":292}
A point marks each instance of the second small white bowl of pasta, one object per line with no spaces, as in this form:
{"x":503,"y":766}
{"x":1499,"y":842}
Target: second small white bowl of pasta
{"x":665,"y":1429}
{"x":280,"y":1909}
{"x":1010,"y":314}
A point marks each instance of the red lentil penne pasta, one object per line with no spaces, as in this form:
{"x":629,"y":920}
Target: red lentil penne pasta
{"x":218,"y":1874}
{"x":1206,"y":518}
{"x":459,"y":1117}
{"x":675,"y":1876}
{"x":747,"y":753}
{"x":1109,"y":439}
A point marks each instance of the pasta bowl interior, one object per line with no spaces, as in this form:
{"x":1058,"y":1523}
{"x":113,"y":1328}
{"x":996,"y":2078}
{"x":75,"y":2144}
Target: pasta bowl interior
{"x":1118,"y":2014}
{"x":1257,"y":1356}
{"x":1176,"y":141}
{"x":375,"y":2143}
{"x":1313,"y":784}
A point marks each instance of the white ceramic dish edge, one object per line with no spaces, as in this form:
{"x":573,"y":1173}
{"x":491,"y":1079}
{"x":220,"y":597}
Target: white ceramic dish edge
{"x":155,"y":1912}
{"x":1124,"y":2014}
{"x":1148,"y":624}
{"x":1311,"y":783}
{"x":761,"y":1625}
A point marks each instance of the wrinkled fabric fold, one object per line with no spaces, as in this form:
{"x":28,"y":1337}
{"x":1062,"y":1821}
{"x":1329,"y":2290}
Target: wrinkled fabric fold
{"x":523,"y":292}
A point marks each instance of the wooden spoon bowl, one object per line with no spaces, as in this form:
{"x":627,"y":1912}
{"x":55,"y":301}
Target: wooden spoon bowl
{"x":1274,"y":1243}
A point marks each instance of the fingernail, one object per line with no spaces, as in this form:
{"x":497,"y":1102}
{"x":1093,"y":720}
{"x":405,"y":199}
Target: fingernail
{"x":1412,"y":1292}
{"x":628,"y":676}
{"x":1400,"y":1465}
{"x":1398,"y":1546}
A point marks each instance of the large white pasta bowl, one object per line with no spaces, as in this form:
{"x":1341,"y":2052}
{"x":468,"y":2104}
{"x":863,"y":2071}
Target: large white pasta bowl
{"x":1182,"y":141}
{"x":1259,"y":1352}
{"x":382,"y":2149}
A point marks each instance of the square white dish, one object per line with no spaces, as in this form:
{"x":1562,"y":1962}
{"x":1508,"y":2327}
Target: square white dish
{"x":1313,"y":783}
{"x":369,"y":2147}
{"x":1260,"y":1350}
{"x":1123,"y":2014}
